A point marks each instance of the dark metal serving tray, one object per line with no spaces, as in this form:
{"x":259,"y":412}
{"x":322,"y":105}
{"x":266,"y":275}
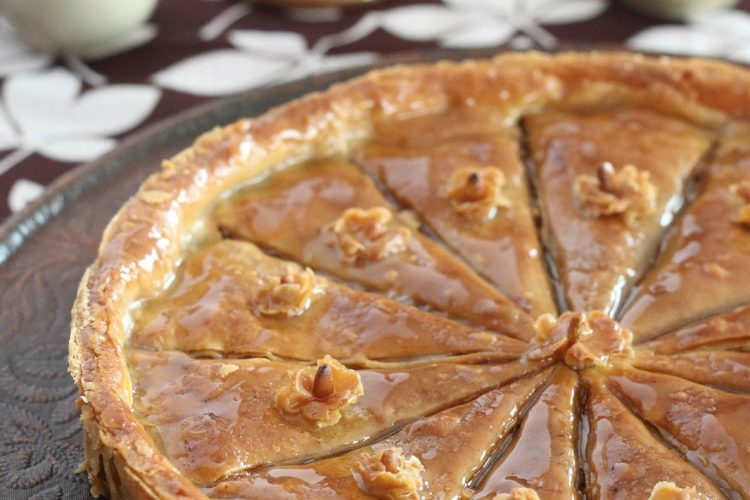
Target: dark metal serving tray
{"x":43,"y":252}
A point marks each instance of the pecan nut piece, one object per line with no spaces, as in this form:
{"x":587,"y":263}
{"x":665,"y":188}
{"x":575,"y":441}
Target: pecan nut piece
{"x":476,"y":193}
{"x":317,"y":394}
{"x":286,"y":295}
{"x":627,"y":193}
{"x":368,"y":234}
{"x":388,"y":474}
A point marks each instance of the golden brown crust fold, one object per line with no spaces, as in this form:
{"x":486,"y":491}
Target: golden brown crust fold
{"x":142,"y":244}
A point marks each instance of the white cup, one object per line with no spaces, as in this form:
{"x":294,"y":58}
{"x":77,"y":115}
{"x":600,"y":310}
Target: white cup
{"x":84,"y":28}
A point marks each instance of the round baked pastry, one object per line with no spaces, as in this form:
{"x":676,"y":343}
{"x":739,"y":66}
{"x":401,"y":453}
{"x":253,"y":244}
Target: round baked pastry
{"x":515,"y":278}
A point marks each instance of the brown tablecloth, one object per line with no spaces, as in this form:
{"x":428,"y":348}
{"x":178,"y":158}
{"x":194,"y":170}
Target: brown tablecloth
{"x":203,"y":49}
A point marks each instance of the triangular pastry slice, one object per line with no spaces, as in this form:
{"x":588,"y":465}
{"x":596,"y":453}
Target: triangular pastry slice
{"x":217,"y":417}
{"x":726,"y":331}
{"x":230,"y":298}
{"x":707,"y":424}
{"x":625,"y":460}
{"x":608,"y":182}
{"x":728,"y":369}
{"x":331,"y":216}
{"x":434,"y":457}
{"x":543,"y":454}
{"x":705,"y":266}
{"x":472,"y":191}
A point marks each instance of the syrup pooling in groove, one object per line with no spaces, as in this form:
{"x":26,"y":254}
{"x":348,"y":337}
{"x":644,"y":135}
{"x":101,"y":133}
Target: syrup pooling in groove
{"x":542,"y":457}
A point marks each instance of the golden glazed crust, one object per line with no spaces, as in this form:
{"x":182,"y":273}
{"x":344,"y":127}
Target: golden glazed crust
{"x":144,"y":242}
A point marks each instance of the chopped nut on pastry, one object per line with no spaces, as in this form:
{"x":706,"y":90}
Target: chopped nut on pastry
{"x":388,"y":474}
{"x":742,"y":191}
{"x":667,"y":490}
{"x":368,"y":234}
{"x":288,"y":294}
{"x":628,"y":193}
{"x":317,"y":394}
{"x":518,"y":494}
{"x":476,"y":192}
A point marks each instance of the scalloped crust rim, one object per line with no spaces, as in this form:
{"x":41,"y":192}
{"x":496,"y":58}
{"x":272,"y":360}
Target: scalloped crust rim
{"x":143,"y":242}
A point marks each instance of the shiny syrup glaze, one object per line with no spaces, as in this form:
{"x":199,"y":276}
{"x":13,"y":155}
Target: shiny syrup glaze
{"x":598,"y":258}
{"x":209,"y":310}
{"x":451,"y":445}
{"x":492,"y":424}
{"x":624,"y":457}
{"x":704,"y":269}
{"x":310,"y":198}
{"x":725,"y":331}
{"x":503,"y":248}
{"x":205,"y":412}
{"x":709,"y":424}
{"x":542,"y":457}
{"x":726,"y":369}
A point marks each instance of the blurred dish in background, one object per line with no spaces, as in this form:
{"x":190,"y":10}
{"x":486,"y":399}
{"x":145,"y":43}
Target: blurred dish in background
{"x":89,"y":29}
{"x":678,"y":10}
{"x":313,"y":3}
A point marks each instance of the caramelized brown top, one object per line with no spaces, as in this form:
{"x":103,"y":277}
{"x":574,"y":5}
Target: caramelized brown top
{"x":409,"y":402}
{"x":708,"y":423}
{"x":379,"y":340}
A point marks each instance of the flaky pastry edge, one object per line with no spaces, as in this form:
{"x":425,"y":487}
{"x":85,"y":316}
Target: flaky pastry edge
{"x":142,"y":244}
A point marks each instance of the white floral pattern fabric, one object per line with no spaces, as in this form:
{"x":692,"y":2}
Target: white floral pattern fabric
{"x":724,"y":34}
{"x":56,"y":112}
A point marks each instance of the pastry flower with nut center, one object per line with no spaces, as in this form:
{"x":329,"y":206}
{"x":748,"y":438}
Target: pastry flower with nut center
{"x":627,"y":193}
{"x":388,"y":474}
{"x":317,"y":394}
{"x":286,"y":295}
{"x":476,"y":193}
{"x":368,"y":234}
{"x":580,"y":340}
{"x":741,"y":190}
